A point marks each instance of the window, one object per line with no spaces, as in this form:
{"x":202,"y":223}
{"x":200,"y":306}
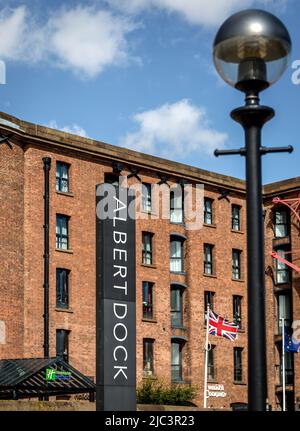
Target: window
{"x":208,"y":211}
{"x":237,"y":310}
{"x":62,"y":232}
{"x":147,"y":248}
{"x":238,"y":364}
{"x":176,"y":361}
{"x":62,"y":344}
{"x":176,"y":306}
{"x":146,"y":197}
{"x":148,"y":357}
{"x":282,"y":270}
{"x":208,"y":300}
{"x":147,"y":300}
{"x":211,"y":371}
{"x":284,"y":311}
{"x":62,"y":288}
{"x":176,"y":255}
{"x":62,"y":177}
{"x":236,"y":264}
{"x":281,"y":225}
{"x":176,"y":205}
{"x":208,"y":259}
{"x":236,"y":217}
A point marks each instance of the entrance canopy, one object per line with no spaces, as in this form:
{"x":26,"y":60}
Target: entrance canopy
{"x":28,"y":378}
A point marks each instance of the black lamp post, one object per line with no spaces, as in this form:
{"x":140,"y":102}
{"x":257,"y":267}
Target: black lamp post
{"x":251,"y":52}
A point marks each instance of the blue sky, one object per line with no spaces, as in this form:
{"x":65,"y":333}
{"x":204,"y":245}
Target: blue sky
{"x":139,"y":73}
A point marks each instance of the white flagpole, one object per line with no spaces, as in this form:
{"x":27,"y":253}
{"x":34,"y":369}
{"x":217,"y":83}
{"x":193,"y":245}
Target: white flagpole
{"x":206,"y":358}
{"x":283,"y":364}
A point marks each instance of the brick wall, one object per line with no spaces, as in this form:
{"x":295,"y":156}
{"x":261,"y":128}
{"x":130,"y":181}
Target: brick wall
{"x":12,"y":249}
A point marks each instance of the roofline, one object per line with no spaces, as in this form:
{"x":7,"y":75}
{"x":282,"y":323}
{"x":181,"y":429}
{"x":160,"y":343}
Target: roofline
{"x":41,"y":135}
{"x":282,"y":187}
{"x":35,"y":134}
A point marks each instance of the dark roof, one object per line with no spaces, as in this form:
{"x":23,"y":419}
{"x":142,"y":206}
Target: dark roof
{"x":22,"y":378}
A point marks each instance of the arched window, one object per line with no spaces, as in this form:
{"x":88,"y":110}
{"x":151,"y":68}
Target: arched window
{"x":177,"y":344}
{"x":176,"y":253}
{"x":281,"y":223}
{"x":148,"y":356}
{"x":176,"y":205}
{"x":282,"y":270}
{"x":177,"y":305}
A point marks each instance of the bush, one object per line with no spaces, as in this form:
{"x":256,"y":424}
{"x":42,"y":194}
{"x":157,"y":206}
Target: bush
{"x":157,"y":392}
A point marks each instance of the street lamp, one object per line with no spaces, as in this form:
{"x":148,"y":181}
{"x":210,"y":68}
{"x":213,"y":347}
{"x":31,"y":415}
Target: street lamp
{"x":251,"y":52}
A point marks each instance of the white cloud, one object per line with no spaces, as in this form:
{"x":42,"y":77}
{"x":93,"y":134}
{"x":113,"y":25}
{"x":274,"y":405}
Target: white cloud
{"x":88,"y":40}
{"x":84,"y":39}
{"x":205,"y":12}
{"x":74,"y":128}
{"x":12,"y":27}
{"x":173,"y":130}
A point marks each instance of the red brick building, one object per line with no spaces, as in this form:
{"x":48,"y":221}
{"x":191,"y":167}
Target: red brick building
{"x":204,"y":265}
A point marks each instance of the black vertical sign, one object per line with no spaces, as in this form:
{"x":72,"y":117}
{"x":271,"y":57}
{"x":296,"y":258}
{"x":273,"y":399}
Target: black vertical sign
{"x":115,"y":302}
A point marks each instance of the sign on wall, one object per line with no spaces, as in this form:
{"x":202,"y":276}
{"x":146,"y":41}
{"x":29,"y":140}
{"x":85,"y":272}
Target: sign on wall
{"x":115,"y":302}
{"x":216,"y":391}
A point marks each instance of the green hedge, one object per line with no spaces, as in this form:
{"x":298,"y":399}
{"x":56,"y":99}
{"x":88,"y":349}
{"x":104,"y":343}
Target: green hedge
{"x":157,"y":392}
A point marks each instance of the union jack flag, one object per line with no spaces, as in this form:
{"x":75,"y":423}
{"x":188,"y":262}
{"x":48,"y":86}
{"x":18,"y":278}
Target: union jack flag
{"x":220,"y":327}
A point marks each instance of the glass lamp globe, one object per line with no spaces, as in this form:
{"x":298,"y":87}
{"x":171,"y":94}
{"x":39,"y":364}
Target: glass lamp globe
{"x":251,"y":50}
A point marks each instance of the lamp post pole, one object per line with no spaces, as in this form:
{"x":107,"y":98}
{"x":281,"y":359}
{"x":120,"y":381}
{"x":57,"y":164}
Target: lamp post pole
{"x":251,"y":52}
{"x":252,"y":117}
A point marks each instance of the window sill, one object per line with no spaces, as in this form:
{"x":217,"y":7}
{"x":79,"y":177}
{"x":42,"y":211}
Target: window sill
{"x":70,"y":194}
{"x":66,"y":310}
{"x":178,"y":272}
{"x":241,"y":232}
{"x":69,"y":251}
{"x":180,"y":382}
{"x":212,"y":380}
{"x":178,"y":223}
{"x":281,"y":241}
{"x":144,"y":319}
{"x":213,"y":226}
{"x":288,"y":388}
{"x":281,"y":288}
{"x":283,"y":285}
{"x":242,"y":383}
{"x":149,"y":213}
{"x":147,"y":265}
{"x":151,"y":376}
{"x":209,"y":275}
{"x":239,"y":280}
{"x":241,"y":331}
{"x":182,"y":328}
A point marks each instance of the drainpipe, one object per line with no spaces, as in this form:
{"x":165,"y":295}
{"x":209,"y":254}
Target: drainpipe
{"x":47,"y":167}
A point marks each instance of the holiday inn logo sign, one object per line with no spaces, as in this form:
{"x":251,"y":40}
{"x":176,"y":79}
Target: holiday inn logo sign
{"x":54,"y":375}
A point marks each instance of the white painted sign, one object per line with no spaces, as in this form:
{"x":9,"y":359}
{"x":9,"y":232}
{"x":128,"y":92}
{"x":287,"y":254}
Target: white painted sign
{"x":2,"y":332}
{"x":216,"y":391}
